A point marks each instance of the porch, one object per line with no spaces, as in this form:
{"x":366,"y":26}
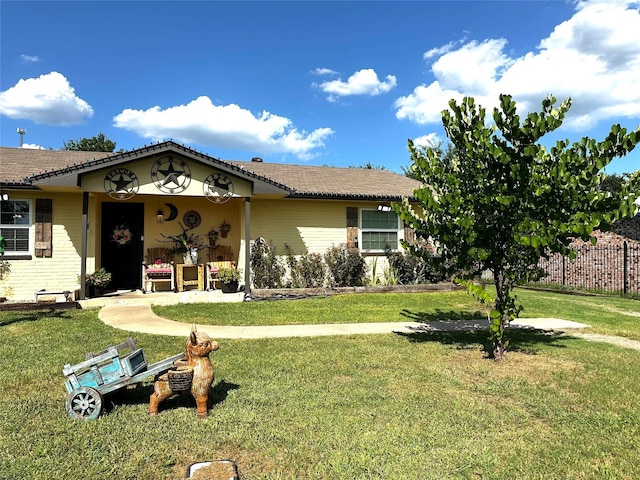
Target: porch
{"x":136,"y":297}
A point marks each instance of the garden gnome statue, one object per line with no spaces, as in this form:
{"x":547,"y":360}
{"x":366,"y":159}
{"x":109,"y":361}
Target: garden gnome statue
{"x":198,"y":364}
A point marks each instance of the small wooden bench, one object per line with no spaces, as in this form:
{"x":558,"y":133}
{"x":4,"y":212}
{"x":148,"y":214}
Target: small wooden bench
{"x":69,"y":296}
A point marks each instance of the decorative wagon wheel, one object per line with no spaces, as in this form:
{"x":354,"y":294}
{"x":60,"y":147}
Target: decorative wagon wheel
{"x":84,"y":403}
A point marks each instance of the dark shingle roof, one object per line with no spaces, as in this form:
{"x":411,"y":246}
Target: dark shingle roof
{"x":20,"y":166}
{"x":332,"y":182}
{"x":17,"y":164}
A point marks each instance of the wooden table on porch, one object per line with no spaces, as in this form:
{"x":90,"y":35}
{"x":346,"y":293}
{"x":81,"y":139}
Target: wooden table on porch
{"x":181,"y":282}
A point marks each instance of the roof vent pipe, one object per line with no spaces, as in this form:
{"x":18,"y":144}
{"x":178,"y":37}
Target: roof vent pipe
{"x":256,"y":159}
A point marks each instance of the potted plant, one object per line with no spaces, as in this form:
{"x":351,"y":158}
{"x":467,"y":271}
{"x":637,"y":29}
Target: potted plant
{"x":224,"y":229}
{"x":98,"y":281}
{"x":186,"y":244}
{"x":213,"y":238}
{"x":229,"y":279}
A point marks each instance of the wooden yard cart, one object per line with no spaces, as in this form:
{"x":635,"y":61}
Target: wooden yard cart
{"x":105,"y":372}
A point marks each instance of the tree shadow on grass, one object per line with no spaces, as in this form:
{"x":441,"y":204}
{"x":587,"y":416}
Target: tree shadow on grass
{"x":469,"y":330}
{"x":32,"y":316}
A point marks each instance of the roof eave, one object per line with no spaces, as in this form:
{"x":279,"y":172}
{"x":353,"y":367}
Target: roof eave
{"x":18,"y":186}
{"x":350,"y":197}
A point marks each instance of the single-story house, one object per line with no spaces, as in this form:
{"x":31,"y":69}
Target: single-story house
{"x":64,"y":214}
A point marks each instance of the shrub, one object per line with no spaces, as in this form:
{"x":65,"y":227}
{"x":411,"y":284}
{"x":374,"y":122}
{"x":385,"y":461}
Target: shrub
{"x":408,"y":269}
{"x":347,"y":266}
{"x":267,"y":270}
{"x":307,"y":271}
{"x":5,"y":267}
{"x":229,"y":275}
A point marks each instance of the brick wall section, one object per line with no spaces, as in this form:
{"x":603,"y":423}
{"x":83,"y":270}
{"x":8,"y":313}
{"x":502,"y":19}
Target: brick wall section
{"x":601,"y":266}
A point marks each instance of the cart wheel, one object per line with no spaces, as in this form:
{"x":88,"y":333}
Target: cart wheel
{"x":84,"y":403}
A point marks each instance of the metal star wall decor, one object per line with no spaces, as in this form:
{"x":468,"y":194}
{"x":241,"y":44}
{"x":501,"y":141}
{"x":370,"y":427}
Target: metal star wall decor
{"x":121,"y":184}
{"x":171,"y":175}
{"x":218,"y":188}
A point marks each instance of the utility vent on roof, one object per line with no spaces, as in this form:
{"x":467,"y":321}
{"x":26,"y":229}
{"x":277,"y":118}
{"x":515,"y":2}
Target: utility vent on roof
{"x":256,"y":159}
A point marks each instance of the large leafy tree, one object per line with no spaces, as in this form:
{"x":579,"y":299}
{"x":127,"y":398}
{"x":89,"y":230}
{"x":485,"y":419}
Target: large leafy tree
{"x":99,"y":143}
{"x":502,"y":200}
{"x":614,"y":182}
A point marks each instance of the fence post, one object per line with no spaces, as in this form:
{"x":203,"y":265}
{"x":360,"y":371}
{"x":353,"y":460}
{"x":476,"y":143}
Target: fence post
{"x":564,"y":273}
{"x":625,"y":260}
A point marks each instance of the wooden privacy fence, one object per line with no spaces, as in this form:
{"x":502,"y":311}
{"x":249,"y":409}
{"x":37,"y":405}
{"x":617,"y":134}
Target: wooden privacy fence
{"x":600,"y":267}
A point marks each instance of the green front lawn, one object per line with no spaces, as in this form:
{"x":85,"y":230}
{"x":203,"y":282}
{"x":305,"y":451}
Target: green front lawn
{"x":348,"y":308}
{"x":606,"y":314}
{"x":373,"y":406}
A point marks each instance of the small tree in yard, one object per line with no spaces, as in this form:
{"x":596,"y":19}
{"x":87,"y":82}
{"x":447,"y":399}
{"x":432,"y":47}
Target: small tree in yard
{"x":503,"y":201}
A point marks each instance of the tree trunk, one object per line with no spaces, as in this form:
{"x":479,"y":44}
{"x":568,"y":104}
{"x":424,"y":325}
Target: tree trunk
{"x":497,"y":330}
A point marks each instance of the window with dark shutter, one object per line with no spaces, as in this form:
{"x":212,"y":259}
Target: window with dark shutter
{"x":352,"y":227}
{"x":409,"y":235}
{"x":44,"y":227}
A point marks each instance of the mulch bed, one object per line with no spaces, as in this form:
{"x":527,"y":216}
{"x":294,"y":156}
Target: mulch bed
{"x":31,"y":306}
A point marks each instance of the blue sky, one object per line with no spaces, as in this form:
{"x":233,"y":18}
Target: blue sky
{"x":317,"y":83}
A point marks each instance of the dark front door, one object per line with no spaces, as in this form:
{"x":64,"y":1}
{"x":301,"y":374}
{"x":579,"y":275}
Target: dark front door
{"x":122,"y":233}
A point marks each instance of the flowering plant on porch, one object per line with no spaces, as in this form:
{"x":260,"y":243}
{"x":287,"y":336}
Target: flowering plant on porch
{"x":100,"y":278}
{"x":185,"y":242}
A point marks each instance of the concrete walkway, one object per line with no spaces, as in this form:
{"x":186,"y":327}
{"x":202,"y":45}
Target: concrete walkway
{"x":131,"y":311}
{"x":140,"y":318}
{"x":613,"y":340}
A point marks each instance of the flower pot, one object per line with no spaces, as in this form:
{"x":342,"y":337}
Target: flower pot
{"x":229,"y":287}
{"x":94,"y":291}
{"x":190,"y":258}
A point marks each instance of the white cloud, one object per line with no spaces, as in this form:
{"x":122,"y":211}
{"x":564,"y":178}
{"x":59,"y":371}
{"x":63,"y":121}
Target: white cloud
{"x":48,"y":99}
{"x":225,"y":126}
{"x":324,"y":71}
{"x":434,"y":52}
{"x":425,"y":104}
{"x":430,"y":140}
{"x":593,"y":57}
{"x":486,"y":60}
{"x":363,"y":82}
{"x":29,"y":58}
{"x":32,"y":146}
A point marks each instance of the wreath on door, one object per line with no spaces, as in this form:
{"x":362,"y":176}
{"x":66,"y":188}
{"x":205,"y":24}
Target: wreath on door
{"x":121,"y":235}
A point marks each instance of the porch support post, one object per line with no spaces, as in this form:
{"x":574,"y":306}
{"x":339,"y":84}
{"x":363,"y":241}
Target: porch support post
{"x":83,"y":246}
{"x":247,"y":242}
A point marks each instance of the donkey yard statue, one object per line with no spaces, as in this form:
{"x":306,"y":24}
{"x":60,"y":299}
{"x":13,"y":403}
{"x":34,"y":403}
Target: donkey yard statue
{"x":199,"y":346}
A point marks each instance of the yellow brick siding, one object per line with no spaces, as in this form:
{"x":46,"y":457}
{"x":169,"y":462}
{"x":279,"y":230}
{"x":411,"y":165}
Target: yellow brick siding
{"x":61,"y":270}
{"x":311,"y":226}
{"x":307,"y":226}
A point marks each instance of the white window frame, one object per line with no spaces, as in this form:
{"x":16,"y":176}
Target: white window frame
{"x":28,"y":227}
{"x":399,"y":231}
